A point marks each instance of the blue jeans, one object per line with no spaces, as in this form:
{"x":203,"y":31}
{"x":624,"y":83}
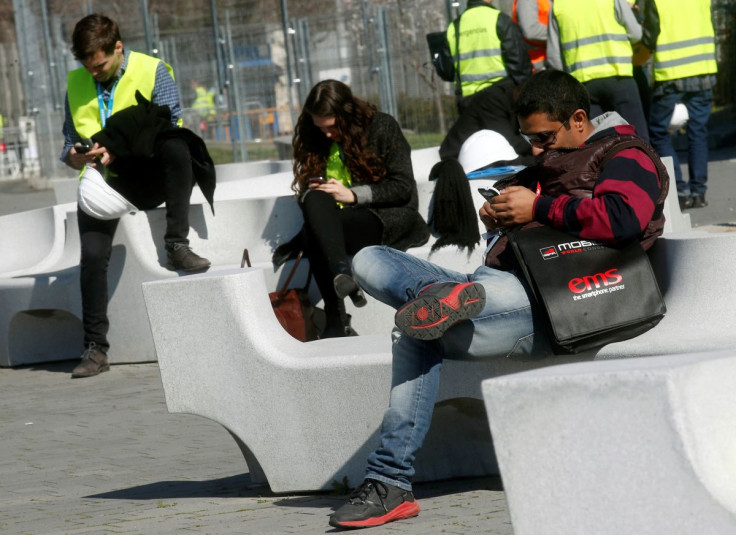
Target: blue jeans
{"x":503,"y":329}
{"x":698,"y":105}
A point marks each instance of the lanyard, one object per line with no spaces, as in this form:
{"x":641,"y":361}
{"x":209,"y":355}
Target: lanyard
{"x":105,"y":110}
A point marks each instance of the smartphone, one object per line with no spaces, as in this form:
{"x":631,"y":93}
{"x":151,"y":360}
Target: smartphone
{"x":488,"y":193}
{"x":317,"y":180}
{"x":85,"y":147}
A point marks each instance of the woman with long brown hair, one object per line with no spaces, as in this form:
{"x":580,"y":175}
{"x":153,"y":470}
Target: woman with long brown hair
{"x":353,"y":175}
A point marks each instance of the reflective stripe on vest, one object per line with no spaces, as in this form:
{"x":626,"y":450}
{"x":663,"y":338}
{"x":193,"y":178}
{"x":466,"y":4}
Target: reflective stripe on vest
{"x":479,"y":60}
{"x":140,"y":74}
{"x":686,"y":45}
{"x":594,"y":44}
{"x":537,"y":49}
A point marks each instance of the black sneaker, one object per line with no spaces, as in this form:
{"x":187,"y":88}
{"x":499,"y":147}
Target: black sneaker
{"x":438,"y":307}
{"x":94,"y":362}
{"x":373,"y":504}
{"x":180,"y":257}
{"x":685,"y":201}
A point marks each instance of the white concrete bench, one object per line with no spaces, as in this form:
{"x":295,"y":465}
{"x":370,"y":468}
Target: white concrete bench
{"x":33,"y":240}
{"x":260,"y":221}
{"x":306,"y":415}
{"x":625,"y":446}
{"x":65,"y":189}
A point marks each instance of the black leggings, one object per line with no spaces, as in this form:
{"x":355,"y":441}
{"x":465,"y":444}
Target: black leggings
{"x":332,"y":234}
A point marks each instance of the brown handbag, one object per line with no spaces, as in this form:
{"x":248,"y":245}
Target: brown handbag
{"x":292,"y":306}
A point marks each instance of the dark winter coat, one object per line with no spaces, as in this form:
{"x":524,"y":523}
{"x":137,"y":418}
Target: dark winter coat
{"x":394,"y":199}
{"x":132,"y":135}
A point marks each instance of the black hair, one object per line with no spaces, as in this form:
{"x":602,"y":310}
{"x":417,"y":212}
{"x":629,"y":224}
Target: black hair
{"x":556,"y":93}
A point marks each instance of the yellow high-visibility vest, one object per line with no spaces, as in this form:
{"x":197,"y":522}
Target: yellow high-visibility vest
{"x":204,"y":102}
{"x":594,"y":44}
{"x":140,"y":74}
{"x":478,"y":59}
{"x":686,"y":44}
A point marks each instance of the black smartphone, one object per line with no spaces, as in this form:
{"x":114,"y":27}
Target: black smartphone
{"x":488,"y":193}
{"x":317,"y":180}
{"x":83,"y":148}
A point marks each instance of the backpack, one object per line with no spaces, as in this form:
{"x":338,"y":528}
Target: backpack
{"x":439,"y":51}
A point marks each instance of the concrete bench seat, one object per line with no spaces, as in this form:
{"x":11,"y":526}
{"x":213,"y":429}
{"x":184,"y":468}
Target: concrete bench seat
{"x":65,"y":189}
{"x":641,"y":446}
{"x":248,"y":214}
{"x":33,"y":241}
{"x":230,"y":345}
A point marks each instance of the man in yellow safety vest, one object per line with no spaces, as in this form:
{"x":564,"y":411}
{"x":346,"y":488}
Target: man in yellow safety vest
{"x":592,"y":40}
{"x":106,"y":85}
{"x":684,"y":71}
{"x":486,"y":46}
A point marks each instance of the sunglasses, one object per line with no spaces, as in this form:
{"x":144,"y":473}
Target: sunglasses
{"x":544,"y":139}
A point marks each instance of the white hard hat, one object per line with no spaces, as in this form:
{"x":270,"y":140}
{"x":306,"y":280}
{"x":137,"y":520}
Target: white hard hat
{"x":679,"y":118}
{"x":484,"y":148}
{"x":97,"y":199}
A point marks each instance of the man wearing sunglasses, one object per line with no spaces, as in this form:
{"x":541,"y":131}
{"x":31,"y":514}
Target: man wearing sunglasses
{"x":594,"y":180}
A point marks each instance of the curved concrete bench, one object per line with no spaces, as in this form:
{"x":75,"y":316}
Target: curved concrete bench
{"x":255,"y":218}
{"x":281,"y":399}
{"x":304,"y":415}
{"x":625,"y":446}
{"x":34,"y":240}
{"x":65,"y":189}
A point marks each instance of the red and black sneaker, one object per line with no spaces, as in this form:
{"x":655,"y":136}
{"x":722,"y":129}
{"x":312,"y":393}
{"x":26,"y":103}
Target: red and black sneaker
{"x":373,"y":504}
{"x":440,"y":306}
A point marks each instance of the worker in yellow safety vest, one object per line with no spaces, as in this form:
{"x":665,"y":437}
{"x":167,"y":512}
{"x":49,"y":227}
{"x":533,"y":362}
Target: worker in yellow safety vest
{"x":98,"y":132}
{"x":684,"y":71}
{"x":592,"y":40}
{"x":486,"y":46}
{"x":204,"y":101}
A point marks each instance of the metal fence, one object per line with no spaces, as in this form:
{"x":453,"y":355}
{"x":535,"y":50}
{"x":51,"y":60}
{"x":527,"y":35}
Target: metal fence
{"x":260,"y":74}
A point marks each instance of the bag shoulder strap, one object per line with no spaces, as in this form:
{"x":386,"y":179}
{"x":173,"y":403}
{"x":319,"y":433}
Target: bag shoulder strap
{"x":284,"y":287}
{"x":458,"y":83}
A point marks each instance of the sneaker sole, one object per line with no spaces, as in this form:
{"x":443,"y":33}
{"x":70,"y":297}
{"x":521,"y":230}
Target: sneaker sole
{"x":428,"y":318}
{"x":405,"y":510}
{"x":172,"y":267}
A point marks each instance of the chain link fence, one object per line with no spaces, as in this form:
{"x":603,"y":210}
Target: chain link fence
{"x":252,"y":78}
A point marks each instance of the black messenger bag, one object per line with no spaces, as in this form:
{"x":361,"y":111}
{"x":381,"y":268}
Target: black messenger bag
{"x":590,"y":294}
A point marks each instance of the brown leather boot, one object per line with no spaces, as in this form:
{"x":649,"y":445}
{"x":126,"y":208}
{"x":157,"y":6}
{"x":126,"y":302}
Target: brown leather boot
{"x":180,"y":257}
{"x":94,"y":362}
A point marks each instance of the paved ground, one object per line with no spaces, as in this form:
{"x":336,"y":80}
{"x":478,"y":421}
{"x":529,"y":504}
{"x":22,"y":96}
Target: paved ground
{"x":103,"y":456}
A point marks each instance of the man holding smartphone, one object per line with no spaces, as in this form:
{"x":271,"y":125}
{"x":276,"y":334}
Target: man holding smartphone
{"x":107,"y":84}
{"x":595,"y":180}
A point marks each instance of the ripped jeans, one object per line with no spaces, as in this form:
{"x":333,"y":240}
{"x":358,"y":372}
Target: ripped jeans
{"x":504,"y":328}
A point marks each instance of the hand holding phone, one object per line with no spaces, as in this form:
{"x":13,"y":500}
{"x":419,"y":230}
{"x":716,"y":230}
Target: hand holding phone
{"x":85,"y":146}
{"x":488,"y":193}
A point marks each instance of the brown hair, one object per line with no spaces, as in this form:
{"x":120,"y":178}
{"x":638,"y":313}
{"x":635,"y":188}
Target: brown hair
{"x":93,"y":33}
{"x":353,"y":116}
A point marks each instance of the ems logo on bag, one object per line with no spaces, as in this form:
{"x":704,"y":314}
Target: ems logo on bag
{"x":594,"y":285}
